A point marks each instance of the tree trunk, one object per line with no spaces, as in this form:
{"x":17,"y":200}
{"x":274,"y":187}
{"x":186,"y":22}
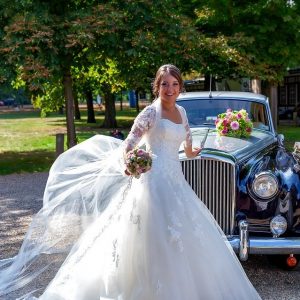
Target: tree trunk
{"x":76,"y":106}
{"x":209,"y":86}
{"x":121,"y":102}
{"x":71,"y":134}
{"x":271,"y":91}
{"x":90,"y":106}
{"x":110,"y":110}
{"x":256,"y":86}
{"x":137,"y":101}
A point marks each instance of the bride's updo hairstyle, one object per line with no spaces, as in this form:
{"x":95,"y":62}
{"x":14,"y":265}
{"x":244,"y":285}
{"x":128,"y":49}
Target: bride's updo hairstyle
{"x":161,"y":72}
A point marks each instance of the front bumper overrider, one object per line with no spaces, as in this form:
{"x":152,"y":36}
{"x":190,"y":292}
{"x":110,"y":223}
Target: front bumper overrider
{"x":244,"y":245}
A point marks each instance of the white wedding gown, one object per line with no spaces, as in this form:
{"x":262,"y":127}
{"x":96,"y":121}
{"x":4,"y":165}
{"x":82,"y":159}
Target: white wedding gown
{"x":153,"y":239}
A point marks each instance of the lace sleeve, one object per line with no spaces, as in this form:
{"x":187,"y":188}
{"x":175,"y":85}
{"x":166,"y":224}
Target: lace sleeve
{"x":143,"y":122}
{"x":188,"y":138}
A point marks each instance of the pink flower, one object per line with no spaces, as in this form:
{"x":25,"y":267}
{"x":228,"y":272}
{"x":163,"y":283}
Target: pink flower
{"x":140,"y":152}
{"x":234,"y":125}
{"x":239,"y":116}
{"x":225,"y":122}
{"x":224,"y":131}
{"x":248,"y":129}
{"x":229,"y":110}
{"x":216,"y":122}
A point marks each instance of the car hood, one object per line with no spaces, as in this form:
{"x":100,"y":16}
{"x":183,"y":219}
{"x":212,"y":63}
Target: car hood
{"x":236,"y":148}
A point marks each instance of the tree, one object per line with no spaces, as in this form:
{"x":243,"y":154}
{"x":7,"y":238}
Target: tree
{"x":156,"y":34}
{"x":42,"y":41}
{"x":264,"y":36}
{"x":46,"y":40}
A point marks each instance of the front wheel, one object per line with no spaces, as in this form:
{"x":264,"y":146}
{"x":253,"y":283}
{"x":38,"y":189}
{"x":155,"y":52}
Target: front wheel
{"x":285,"y":262}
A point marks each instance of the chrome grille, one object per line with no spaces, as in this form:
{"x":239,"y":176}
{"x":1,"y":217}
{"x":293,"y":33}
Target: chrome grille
{"x":214,"y":183}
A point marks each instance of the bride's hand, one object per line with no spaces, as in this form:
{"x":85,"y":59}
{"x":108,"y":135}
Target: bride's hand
{"x":192,"y":152}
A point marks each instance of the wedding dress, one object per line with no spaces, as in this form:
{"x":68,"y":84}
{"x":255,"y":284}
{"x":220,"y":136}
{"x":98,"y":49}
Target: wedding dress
{"x":104,"y":235}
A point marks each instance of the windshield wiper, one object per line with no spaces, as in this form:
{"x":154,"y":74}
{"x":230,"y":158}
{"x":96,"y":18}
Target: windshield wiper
{"x":204,"y":139}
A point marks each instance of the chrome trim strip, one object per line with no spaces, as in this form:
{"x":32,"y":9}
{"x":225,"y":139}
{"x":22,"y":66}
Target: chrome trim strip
{"x":268,"y":245}
{"x":218,"y":155}
{"x":269,"y":113}
{"x":207,"y":154}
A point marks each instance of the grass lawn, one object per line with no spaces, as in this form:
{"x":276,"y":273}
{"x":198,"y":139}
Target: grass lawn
{"x":27,"y":142}
{"x":291,"y":135}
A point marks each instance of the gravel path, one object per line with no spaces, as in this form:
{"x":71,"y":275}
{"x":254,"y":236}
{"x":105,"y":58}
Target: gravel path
{"x":21,"y":197}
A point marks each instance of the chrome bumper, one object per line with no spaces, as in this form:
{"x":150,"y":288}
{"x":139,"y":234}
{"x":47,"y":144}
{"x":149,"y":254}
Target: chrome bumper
{"x":243,"y":245}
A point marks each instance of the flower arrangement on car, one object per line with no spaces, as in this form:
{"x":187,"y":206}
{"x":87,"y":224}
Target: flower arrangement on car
{"x":137,"y":161}
{"x":234,"y":123}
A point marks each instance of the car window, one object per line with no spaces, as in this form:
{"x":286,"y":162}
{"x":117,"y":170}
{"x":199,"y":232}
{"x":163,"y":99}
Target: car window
{"x":203,"y":112}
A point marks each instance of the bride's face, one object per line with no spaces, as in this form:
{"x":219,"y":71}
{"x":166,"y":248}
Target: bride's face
{"x":169,"y":88}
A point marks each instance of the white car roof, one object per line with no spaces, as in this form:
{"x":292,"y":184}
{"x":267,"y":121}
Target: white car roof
{"x":224,"y":94}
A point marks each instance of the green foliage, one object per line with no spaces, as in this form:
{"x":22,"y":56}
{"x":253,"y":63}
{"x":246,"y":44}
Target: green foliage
{"x":100,"y":72}
{"x":263,"y":36}
{"x":155,"y":34}
{"x":50,"y":100}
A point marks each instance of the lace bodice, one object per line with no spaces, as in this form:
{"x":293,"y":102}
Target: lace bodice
{"x":148,"y":124}
{"x":165,"y":140}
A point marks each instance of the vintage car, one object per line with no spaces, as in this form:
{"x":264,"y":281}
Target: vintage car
{"x":250,"y":185}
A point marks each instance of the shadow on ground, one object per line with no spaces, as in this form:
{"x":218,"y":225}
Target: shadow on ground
{"x":26,"y":161}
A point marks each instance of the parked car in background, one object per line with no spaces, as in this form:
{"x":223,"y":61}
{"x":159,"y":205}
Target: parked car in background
{"x":250,"y":185}
{"x":285,"y":113}
{"x":9,"y":101}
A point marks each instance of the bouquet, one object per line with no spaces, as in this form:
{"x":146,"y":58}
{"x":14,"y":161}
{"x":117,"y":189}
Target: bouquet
{"x":234,"y":123}
{"x":137,"y":161}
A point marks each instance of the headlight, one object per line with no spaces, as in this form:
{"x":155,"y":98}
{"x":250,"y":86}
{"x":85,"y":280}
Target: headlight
{"x":265,"y":185}
{"x":278,"y":225}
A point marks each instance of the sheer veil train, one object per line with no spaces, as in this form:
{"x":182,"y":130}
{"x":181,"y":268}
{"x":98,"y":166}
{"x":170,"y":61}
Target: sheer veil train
{"x":82,"y":183}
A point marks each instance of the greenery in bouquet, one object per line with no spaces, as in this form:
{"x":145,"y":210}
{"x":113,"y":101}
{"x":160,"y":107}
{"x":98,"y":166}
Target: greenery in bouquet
{"x":234,"y":123}
{"x":138,"y":161}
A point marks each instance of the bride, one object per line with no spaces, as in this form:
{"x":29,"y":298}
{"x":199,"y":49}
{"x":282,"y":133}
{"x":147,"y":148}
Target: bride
{"x":104,"y":235}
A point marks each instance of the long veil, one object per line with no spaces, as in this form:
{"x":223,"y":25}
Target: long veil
{"x":83,"y":183}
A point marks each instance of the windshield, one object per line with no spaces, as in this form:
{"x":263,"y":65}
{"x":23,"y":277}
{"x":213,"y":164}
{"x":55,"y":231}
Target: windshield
{"x":203,"y":112}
